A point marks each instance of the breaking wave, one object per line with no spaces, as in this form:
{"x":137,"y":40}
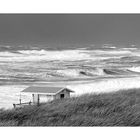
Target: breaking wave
{"x":89,"y":73}
{"x":74,"y":73}
{"x":135,"y":69}
{"x":38,"y":55}
{"x":63,"y":55}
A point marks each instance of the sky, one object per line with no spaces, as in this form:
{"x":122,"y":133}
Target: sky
{"x":69,"y":28}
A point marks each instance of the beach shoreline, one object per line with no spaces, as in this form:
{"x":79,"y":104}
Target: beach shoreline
{"x":9,"y":93}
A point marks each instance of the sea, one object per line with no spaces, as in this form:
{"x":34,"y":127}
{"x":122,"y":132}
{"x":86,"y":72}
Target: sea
{"x":84,"y":68}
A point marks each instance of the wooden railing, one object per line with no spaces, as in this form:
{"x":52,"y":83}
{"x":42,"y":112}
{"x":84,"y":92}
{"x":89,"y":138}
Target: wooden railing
{"x":22,"y":104}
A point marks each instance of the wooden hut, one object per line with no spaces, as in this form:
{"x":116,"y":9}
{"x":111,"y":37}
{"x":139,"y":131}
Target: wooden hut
{"x":46,"y":94}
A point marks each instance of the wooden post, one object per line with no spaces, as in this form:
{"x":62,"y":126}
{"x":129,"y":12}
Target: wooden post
{"x":38,"y":99}
{"x":33,"y":98}
{"x":30,"y":103}
{"x":20,"y":99}
{"x":14,"y":105}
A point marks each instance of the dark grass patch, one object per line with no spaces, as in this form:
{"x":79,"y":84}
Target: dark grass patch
{"x":121,"y":108}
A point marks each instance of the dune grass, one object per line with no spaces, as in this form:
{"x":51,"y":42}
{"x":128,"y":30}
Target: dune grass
{"x":121,"y":108}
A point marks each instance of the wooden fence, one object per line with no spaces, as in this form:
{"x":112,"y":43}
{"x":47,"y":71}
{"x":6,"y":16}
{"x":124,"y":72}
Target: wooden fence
{"x":22,"y":104}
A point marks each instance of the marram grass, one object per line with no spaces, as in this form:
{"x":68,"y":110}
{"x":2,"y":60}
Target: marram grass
{"x":120,"y":108}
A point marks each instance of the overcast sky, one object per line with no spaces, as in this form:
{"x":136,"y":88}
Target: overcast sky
{"x":70,"y":28}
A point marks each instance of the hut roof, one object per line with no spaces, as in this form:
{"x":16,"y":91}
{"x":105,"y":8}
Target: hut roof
{"x":46,"y":89}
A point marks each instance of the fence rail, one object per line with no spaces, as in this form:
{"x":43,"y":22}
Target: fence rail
{"x":22,"y":104}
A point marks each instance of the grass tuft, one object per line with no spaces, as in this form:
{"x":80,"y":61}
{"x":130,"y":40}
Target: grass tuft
{"x":121,"y":108}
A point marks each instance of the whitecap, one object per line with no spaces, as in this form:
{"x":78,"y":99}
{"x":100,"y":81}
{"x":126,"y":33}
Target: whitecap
{"x":135,"y":69}
{"x":129,"y":48}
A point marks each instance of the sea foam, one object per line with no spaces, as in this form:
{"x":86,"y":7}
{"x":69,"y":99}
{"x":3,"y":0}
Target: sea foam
{"x":64,"y":55}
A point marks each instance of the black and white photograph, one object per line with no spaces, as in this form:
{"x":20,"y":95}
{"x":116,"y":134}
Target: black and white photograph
{"x":69,"y":70}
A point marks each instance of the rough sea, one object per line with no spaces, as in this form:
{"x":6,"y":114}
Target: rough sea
{"x":84,"y":68}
